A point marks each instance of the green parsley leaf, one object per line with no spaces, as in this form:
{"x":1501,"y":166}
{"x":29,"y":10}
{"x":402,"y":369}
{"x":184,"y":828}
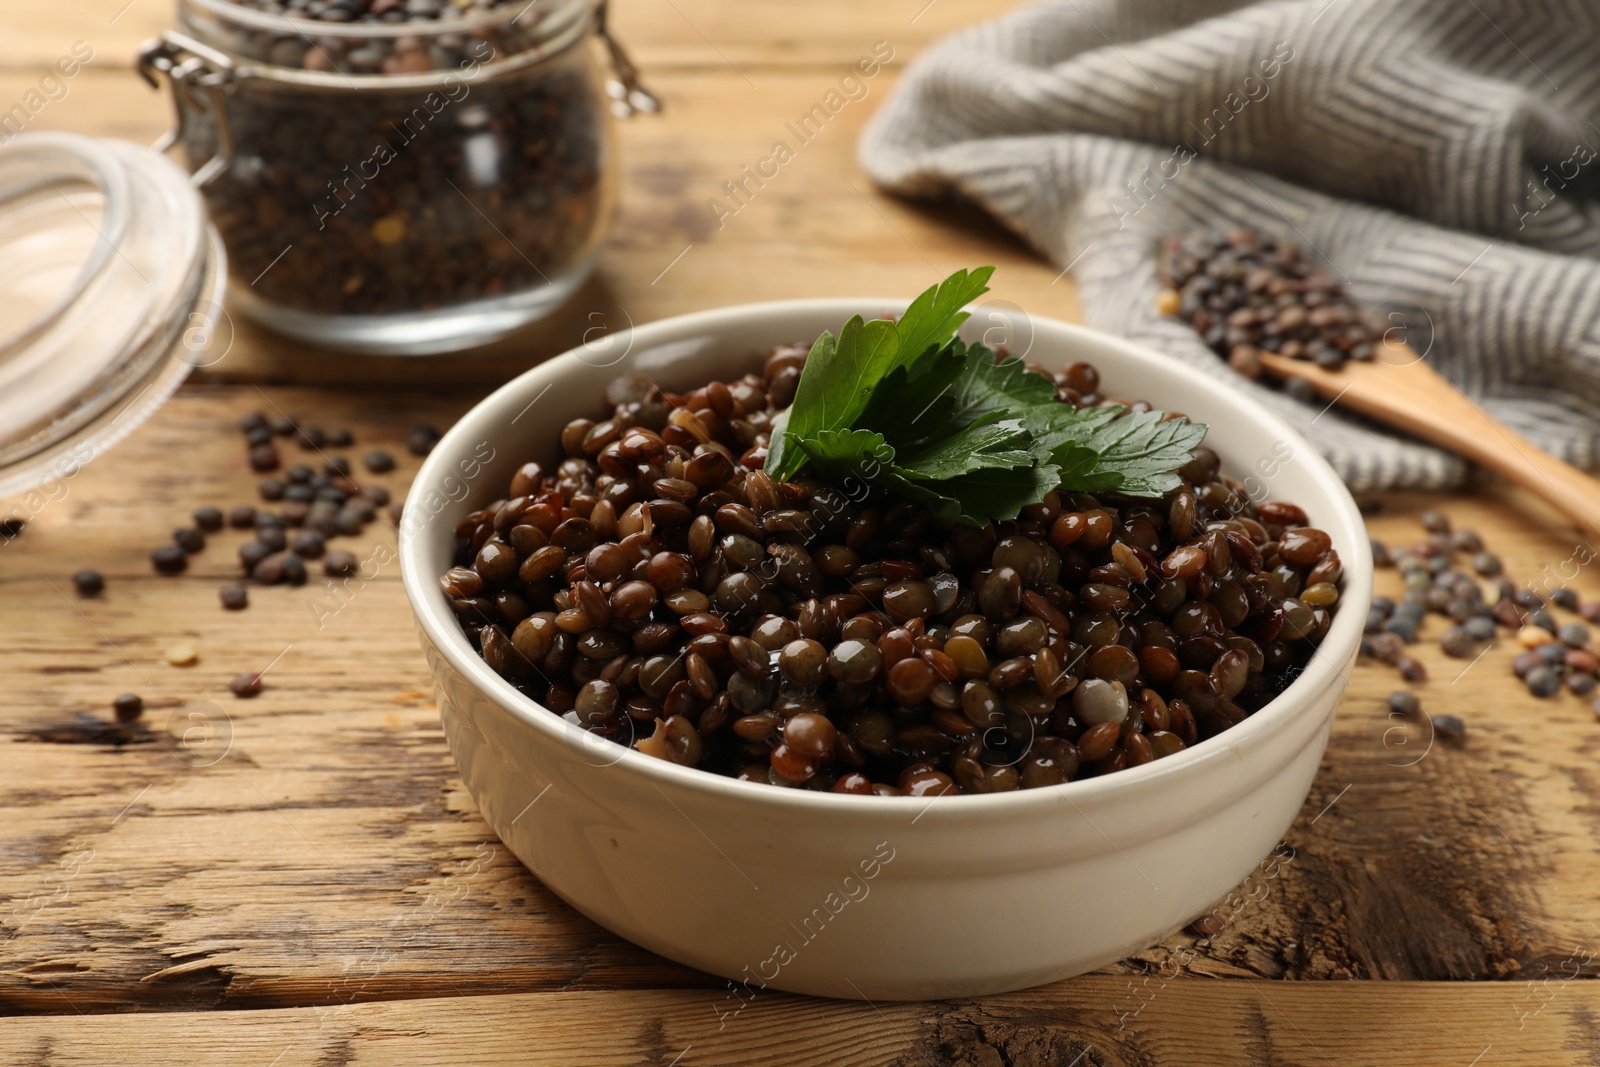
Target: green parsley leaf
{"x":836,"y":448}
{"x":976,"y":499}
{"x":1144,"y":449}
{"x":988,"y":444}
{"x":909,"y":407}
{"x":839,"y":377}
{"x":999,"y":495}
{"x":852,"y":459}
{"x":837,"y":382}
{"x":935,"y":316}
{"x":956,"y":387}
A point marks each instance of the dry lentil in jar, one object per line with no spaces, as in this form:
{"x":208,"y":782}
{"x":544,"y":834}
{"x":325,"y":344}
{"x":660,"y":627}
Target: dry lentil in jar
{"x":655,"y":585}
{"x":490,"y":180}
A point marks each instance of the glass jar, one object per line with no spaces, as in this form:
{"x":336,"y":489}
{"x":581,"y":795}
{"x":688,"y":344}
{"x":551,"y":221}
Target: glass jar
{"x":394,"y":186}
{"x":110,"y":288}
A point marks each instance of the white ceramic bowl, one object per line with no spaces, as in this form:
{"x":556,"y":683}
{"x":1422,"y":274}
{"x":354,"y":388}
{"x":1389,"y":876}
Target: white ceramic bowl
{"x":868,"y":897}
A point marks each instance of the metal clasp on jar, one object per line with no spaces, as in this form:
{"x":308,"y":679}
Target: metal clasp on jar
{"x":627,"y":92}
{"x":200,"y":76}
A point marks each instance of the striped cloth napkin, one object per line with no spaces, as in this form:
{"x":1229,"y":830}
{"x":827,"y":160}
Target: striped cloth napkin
{"x":1440,"y":157}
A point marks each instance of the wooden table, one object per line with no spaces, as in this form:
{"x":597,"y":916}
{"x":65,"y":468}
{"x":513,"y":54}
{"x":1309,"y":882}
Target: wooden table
{"x":302,"y":879}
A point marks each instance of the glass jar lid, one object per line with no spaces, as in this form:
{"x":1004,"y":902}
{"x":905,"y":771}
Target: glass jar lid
{"x":110,"y":291}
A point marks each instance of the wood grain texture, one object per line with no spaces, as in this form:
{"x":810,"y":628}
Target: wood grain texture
{"x":314,"y":846}
{"x":1401,"y":1024}
{"x":312,"y":853}
{"x":1400,"y":389}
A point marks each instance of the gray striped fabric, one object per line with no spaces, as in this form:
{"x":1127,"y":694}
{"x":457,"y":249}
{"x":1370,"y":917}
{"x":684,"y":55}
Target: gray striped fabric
{"x":1437,"y":154}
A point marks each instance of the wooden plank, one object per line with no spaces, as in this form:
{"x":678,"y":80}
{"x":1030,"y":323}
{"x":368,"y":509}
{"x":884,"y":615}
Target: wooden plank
{"x":334,"y":784}
{"x":331,"y":854}
{"x":314,"y":847}
{"x":1188,"y":1021}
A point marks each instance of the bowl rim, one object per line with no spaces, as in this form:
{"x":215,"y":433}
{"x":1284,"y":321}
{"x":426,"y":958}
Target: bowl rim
{"x":442,"y":631}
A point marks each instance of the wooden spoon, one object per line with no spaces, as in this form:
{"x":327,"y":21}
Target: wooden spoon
{"x":1398,"y":387}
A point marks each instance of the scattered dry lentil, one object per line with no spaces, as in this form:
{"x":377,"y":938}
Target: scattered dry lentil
{"x":339,"y":565}
{"x":264,"y":457}
{"x":128,"y":707}
{"x":1405,"y":703}
{"x":421,"y":439}
{"x":246,"y":685}
{"x":169,"y":559}
{"x":190,"y":539}
{"x":1544,"y":681}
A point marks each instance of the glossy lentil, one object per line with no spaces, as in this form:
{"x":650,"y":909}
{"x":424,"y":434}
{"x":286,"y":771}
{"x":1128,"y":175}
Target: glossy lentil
{"x":653,"y":583}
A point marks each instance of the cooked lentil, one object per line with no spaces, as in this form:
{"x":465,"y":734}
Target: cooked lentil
{"x":786,"y":633}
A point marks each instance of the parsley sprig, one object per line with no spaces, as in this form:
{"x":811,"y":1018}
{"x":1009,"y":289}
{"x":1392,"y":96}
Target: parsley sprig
{"x":910,"y":408}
